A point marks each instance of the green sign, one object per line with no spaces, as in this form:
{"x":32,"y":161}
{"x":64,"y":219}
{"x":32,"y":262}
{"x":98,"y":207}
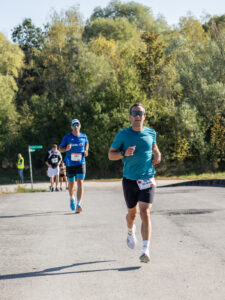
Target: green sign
{"x":36,"y":147}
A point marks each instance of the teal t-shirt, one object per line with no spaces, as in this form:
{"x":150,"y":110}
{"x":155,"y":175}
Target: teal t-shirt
{"x":138,"y":166}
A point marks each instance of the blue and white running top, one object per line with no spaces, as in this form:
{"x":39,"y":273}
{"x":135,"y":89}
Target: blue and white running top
{"x":75,"y":156}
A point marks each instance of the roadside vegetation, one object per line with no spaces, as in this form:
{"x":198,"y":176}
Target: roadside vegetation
{"x":94,"y":70}
{"x":21,"y":189}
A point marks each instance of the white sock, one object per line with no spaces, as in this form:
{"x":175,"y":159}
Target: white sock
{"x":146,"y":246}
{"x":78,"y":202}
{"x":72,"y":198}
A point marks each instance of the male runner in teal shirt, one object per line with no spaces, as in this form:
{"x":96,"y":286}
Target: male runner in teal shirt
{"x":137,"y":148}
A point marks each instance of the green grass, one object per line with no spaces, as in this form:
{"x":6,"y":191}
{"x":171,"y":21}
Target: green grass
{"x":21,"y":189}
{"x":192,"y":176}
{"x":103,"y":179}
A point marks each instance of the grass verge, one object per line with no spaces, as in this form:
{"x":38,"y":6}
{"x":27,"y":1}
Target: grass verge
{"x":21,"y":189}
{"x":193,"y":176}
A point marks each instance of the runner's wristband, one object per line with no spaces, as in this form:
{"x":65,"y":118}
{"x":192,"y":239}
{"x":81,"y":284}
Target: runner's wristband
{"x":122,"y":153}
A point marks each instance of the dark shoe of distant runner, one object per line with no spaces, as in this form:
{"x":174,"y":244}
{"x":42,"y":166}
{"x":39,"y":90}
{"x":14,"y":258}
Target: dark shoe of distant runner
{"x":78,"y":209}
{"x":56,"y":189}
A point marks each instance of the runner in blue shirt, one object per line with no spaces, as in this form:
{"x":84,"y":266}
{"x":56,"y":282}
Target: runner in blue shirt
{"x":137,"y":148}
{"x":76,"y":146}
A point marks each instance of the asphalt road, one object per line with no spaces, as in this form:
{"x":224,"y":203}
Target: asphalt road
{"x":47,"y":252}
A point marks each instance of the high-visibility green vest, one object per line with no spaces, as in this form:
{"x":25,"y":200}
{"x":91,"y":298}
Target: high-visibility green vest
{"x":20,"y":164}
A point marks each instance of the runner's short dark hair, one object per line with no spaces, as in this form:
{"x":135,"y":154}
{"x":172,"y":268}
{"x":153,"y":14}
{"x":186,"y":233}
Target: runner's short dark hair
{"x":135,"y":105}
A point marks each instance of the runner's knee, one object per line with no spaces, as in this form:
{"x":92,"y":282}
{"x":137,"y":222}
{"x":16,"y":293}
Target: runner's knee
{"x":132,"y":215}
{"x":145,"y":213}
{"x":80,"y":183}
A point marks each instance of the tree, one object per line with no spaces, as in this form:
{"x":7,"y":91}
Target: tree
{"x":218,"y":139}
{"x":71,"y":72}
{"x":149,"y":61}
{"x":31,"y":40}
{"x":139,"y":15}
{"x":28,"y":37}
{"x":218,"y":21}
{"x":11,"y":60}
{"x":96,"y":71}
{"x":115,"y":29}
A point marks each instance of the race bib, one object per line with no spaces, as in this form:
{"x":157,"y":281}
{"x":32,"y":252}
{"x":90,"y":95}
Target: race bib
{"x":54,"y":160}
{"x":76,"y":156}
{"x":144,"y":184}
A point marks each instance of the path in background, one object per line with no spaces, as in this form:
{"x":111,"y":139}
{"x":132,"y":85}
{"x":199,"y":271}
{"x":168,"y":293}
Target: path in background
{"x":49,"y":253}
{"x":9,"y":188}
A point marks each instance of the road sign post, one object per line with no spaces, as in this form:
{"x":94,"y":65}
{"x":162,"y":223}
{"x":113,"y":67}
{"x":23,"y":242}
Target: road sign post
{"x":32,"y":149}
{"x":36,"y":147}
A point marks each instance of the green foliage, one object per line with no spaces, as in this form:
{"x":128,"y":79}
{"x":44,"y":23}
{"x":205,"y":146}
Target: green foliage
{"x":11,"y":60}
{"x":28,"y":36}
{"x":137,"y":14}
{"x":115,"y":29}
{"x":216,"y":21}
{"x":218,"y":137}
{"x":21,"y":189}
{"x":96,"y":71}
{"x":30,"y":39}
{"x":149,"y":62}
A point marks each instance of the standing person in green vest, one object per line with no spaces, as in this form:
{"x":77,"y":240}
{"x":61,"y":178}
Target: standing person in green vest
{"x":20,"y":166}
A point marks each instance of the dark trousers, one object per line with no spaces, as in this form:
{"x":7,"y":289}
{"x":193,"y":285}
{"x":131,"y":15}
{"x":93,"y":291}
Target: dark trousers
{"x":20,"y":172}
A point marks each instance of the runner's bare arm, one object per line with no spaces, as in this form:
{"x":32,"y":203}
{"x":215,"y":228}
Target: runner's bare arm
{"x":47,"y":164}
{"x":64,"y":149}
{"x":59,"y":162}
{"x":114,"y":154}
{"x":156,"y":155}
{"x":86,"y":150}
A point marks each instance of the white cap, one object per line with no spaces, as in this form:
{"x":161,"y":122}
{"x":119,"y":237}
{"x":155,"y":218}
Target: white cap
{"x":75,"y":121}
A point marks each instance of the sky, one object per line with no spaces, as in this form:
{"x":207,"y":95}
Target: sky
{"x":12,"y":12}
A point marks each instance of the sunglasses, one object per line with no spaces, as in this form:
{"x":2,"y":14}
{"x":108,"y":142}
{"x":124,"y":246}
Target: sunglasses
{"x":136,"y":113}
{"x":76,"y":124}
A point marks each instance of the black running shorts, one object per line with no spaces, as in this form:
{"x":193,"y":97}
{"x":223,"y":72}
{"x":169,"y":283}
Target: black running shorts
{"x":76,"y":172}
{"x":133,"y":194}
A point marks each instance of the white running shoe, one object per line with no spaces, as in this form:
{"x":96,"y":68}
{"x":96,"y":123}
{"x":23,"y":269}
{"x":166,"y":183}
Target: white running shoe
{"x":145,"y":257}
{"x":131,"y":239}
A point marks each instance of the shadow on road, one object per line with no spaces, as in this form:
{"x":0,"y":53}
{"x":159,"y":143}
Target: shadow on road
{"x":38,"y":214}
{"x":51,"y":271}
{"x":179,"y":212}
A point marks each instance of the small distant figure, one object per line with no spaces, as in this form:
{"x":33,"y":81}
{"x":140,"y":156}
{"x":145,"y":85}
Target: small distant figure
{"x":53,"y":159}
{"x":20,"y":167}
{"x":62,"y":175}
